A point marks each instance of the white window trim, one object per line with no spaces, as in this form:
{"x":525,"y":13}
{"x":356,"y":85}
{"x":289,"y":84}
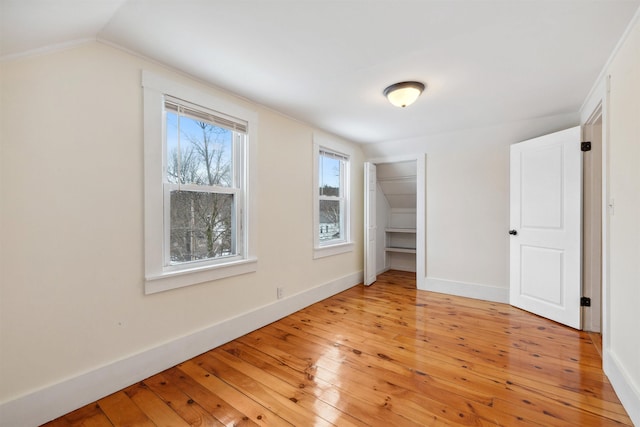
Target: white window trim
{"x":158,"y":278}
{"x":345,"y":245}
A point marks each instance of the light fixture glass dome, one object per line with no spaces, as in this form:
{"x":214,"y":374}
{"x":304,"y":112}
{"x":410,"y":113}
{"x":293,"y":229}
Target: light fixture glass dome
{"x":403,"y":93}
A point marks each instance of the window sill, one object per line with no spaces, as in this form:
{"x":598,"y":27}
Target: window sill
{"x":329,"y":250}
{"x":177,"y":279}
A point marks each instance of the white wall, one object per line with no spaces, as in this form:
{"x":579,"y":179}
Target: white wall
{"x":467,"y":190}
{"x":72,"y":297}
{"x":621,"y":233}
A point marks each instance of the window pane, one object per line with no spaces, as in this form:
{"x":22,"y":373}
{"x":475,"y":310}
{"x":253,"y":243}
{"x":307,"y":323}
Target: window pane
{"x":198,"y":152}
{"x":330,"y":173}
{"x":330,"y":220}
{"x":200,"y":226}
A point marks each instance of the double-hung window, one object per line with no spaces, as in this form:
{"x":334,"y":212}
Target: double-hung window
{"x":197,"y":181}
{"x":331,"y":202}
{"x":202,"y":185}
{"x":332,"y":169}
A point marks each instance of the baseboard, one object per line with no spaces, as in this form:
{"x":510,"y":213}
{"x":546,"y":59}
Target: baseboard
{"x":469,"y":290}
{"x":384,"y":270}
{"x":627,"y":391}
{"x":58,"y":399}
{"x":408,"y":269}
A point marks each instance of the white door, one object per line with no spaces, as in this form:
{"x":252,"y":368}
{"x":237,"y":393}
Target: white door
{"x":545,"y":218}
{"x":370,"y":182}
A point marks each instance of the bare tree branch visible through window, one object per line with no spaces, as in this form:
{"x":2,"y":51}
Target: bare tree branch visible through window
{"x":201,"y":221}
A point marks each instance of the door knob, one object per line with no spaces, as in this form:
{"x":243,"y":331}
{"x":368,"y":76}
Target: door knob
{"x":513,"y":232}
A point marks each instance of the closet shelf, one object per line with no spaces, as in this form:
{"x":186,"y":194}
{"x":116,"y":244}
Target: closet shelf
{"x":400,"y":230}
{"x":401,"y":250}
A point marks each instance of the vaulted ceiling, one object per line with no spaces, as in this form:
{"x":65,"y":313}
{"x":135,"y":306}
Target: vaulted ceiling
{"x":326,"y":62}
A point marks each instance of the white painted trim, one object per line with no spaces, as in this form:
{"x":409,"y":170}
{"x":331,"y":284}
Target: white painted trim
{"x":469,"y":290}
{"x":592,"y":103}
{"x":58,"y":399}
{"x":330,"y":250}
{"x":320,"y":141}
{"x":45,"y":50}
{"x":383,"y":270}
{"x":187,"y":277}
{"x":393,"y":159}
{"x":421,"y":209}
{"x":627,"y":391}
{"x":159,"y":277}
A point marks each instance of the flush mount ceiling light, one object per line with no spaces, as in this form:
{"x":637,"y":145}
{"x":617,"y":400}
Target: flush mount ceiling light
{"x":403,"y":93}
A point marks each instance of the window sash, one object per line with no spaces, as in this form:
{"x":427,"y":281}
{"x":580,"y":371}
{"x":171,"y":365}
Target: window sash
{"x":333,"y":155}
{"x":236,"y":229}
{"x":239,"y":140}
{"x":341,"y":223}
{"x":343,"y":161}
{"x":200,"y":113}
{"x":203,"y":188}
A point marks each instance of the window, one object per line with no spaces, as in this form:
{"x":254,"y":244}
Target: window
{"x":203,"y":184}
{"x":197,"y":183}
{"x":331,"y":178}
{"x":331,"y":202}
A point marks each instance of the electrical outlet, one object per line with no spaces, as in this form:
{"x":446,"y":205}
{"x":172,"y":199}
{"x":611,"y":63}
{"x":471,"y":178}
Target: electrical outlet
{"x":280,"y":292}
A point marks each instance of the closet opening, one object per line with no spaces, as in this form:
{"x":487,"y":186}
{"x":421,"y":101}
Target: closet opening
{"x":396,"y":216}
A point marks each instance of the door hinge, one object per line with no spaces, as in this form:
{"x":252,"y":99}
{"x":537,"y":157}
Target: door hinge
{"x":585,"y":302}
{"x":585,"y":146}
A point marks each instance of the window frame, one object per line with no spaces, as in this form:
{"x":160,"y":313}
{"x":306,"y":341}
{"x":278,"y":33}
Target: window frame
{"x":345,"y":244}
{"x":161,"y":275}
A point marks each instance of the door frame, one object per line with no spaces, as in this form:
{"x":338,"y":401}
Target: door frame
{"x":597,"y":99}
{"x":421,"y":209}
{"x":592,"y":286}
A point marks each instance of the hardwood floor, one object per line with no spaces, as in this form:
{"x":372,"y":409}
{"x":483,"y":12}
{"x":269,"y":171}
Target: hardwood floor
{"x":386,"y":355}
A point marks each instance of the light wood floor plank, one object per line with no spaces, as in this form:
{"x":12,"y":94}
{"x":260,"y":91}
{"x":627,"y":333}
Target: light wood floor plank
{"x":122,"y":412}
{"x":190,"y":410}
{"x":384,"y":355}
{"x":302,"y":396}
{"x":87,"y":416}
{"x":154,"y":407}
{"x":224,"y":412}
{"x":238,"y":398}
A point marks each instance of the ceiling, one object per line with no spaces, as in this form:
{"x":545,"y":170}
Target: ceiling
{"x":326,"y":62}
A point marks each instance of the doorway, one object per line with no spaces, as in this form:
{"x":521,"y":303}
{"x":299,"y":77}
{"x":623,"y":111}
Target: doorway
{"x":556,"y":235}
{"x":395,"y":221}
{"x":592,"y":223}
{"x":396,"y":216}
